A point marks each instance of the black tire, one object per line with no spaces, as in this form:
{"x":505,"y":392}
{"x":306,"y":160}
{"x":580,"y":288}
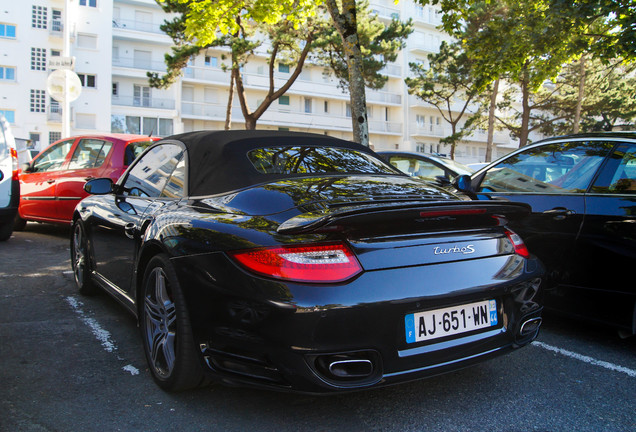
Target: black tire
{"x":81,"y":259}
{"x":19,"y":224}
{"x":6,"y":229}
{"x":165,"y":329}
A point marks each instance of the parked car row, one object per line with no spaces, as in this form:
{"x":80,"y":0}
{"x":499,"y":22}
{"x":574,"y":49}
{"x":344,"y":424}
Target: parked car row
{"x":53,"y":182}
{"x":582,"y":190}
{"x":302,"y":262}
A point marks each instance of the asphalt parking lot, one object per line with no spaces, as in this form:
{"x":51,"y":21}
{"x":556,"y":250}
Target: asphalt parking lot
{"x":74,"y":363}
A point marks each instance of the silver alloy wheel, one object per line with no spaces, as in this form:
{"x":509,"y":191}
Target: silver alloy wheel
{"x":79,"y":255}
{"x":160,"y":318}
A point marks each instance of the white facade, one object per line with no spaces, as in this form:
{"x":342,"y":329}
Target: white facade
{"x":115,"y":42}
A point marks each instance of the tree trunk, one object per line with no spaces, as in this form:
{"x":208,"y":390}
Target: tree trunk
{"x":525,"y":113}
{"x":228,"y":112}
{"x":347,"y":26}
{"x":579,"y":100}
{"x":491,"y":121}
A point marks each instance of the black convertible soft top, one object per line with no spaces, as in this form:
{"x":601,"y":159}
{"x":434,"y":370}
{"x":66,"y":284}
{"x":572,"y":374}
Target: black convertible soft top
{"x":218,"y":160}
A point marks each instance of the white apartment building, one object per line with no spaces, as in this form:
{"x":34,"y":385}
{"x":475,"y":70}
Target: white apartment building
{"x":115,"y":42}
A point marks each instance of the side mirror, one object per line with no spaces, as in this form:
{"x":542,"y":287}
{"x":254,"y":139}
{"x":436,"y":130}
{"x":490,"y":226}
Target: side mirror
{"x":26,"y":167}
{"x":99,"y":186}
{"x":463,"y":183}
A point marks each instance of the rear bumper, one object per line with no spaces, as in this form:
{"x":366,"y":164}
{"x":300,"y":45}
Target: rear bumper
{"x":333,"y":338}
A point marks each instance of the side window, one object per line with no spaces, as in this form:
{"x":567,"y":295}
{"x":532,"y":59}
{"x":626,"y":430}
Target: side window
{"x":133,"y":150}
{"x":151,"y":173}
{"x":566,"y":167}
{"x":90,"y":153}
{"x":417,"y":168}
{"x":53,"y":158}
{"x":175,"y":188}
{"x":619,"y":174}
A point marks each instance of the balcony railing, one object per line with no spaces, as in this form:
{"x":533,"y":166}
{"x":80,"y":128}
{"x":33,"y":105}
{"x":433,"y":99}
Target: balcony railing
{"x":144,"y":102}
{"x":142,"y":64}
{"x":141,"y":26}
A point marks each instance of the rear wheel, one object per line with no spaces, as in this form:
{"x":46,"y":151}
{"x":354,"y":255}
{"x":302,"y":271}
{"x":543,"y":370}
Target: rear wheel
{"x":81,"y":259}
{"x":166,"y":331}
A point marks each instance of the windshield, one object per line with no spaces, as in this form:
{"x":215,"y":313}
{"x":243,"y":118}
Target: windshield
{"x":315,"y":160}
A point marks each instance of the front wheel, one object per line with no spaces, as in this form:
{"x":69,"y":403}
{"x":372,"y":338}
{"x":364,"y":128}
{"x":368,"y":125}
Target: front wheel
{"x":166,"y":331}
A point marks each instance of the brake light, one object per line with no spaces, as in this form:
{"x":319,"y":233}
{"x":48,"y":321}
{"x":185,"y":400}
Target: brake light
{"x":14,"y":160}
{"x":321,"y":263}
{"x":518,"y":244}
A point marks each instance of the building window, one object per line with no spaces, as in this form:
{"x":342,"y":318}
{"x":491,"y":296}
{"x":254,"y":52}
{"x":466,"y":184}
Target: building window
{"x":7,"y":30}
{"x":90,"y":3}
{"x":348,"y":110}
{"x":87,"y":80}
{"x":9,"y":115}
{"x":38,"y":17}
{"x":283,"y":68}
{"x":308,"y":105}
{"x":54,"y":136}
{"x":85,"y":121}
{"x":38,"y":101}
{"x":211,"y":61}
{"x":141,"y":95}
{"x":56,"y":53}
{"x":283,"y":100}
{"x":7,"y":73}
{"x":115,"y":89}
{"x":134,"y":124}
{"x":326,"y":106}
{"x":38,"y":59}
{"x":57,"y":25}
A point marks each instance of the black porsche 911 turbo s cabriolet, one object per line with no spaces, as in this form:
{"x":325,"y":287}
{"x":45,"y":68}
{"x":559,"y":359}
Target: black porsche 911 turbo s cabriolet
{"x":301,"y":262}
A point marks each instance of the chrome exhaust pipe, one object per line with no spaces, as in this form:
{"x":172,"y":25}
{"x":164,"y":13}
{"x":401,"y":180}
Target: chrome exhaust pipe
{"x":530,"y":326}
{"x":352,"y":368}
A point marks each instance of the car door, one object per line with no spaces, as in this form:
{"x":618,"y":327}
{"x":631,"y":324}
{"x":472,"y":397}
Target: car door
{"x":605,"y":252}
{"x":85,"y":164}
{"x":118,"y":226}
{"x":552,"y":178}
{"x":38,"y":183}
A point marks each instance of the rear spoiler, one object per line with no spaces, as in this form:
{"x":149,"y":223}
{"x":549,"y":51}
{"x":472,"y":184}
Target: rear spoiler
{"x":332,"y":219}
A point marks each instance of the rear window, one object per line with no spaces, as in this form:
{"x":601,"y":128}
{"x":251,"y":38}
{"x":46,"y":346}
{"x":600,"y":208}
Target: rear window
{"x":315,"y":160}
{"x":135,"y":149}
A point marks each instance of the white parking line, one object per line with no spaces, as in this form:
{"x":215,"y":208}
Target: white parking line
{"x":103,"y":336}
{"x":586,"y":359}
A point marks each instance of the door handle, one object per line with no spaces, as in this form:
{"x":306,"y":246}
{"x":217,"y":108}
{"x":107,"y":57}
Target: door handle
{"x":50,"y":181}
{"x":559,"y":213}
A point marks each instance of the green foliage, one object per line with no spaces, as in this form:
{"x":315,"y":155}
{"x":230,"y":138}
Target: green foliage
{"x":450,"y":84}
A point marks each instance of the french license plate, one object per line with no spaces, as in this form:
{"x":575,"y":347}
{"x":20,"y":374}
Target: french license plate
{"x":428,"y":325}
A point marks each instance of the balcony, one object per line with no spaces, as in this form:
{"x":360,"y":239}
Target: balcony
{"x":143,"y":102}
{"x":141,"y":64}
{"x":285,"y":117}
{"x":140,"y":26}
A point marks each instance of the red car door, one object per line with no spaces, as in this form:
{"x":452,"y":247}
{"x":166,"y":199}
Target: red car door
{"x":90,"y":159}
{"x":39,"y":181}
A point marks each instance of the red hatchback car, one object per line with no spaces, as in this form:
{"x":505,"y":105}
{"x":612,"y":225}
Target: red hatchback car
{"x":52,"y":184}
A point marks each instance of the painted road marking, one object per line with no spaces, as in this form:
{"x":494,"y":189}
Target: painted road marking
{"x":102,"y":335}
{"x":587,"y":359}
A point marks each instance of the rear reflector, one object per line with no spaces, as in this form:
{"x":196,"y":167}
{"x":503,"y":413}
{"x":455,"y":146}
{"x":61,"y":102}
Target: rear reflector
{"x":14,"y":157}
{"x":320,"y":263}
{"x":519,"y":245}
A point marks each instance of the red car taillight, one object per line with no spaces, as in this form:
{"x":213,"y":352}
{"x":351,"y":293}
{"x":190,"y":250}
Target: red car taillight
{"x":14,"y":160}
{"x":322,"y":263}
{"x":519,"y":245}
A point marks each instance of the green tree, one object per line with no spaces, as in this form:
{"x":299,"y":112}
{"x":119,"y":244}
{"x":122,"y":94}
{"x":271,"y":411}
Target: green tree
{"x":449,"y":85}
{"x":528,"y":41}
{"x":289,"y":40}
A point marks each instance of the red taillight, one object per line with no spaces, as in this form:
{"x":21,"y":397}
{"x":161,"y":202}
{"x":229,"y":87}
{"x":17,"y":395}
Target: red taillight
{"x":519,"y":245}
{"x":321,"y":263}
{"x":14,"y":157}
